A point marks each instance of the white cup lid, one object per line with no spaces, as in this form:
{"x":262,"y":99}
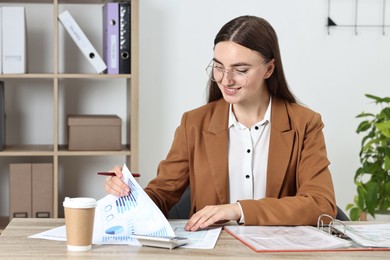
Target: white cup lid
{"x":80,"y":202}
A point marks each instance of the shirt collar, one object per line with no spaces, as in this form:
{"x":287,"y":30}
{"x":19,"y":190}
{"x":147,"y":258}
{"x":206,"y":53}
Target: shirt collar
{"x":233,"y":120}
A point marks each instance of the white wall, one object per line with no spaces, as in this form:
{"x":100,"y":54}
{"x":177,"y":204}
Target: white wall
{"x":329,"y":73}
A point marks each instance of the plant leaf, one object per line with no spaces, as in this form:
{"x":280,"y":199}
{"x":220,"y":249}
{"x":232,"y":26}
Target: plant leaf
{"x":363,"y":114}
{"x":378,"y":99}
{"x":371,"y":197}
{"x":363,"y":126}
{"x":387,"y":163}
{"x":387,"y":188}
{"x":384,"y":127}
{"x":354,"y":214}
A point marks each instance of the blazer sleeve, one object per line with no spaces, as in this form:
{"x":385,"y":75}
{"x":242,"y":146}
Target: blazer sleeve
{"x":307,"y":190}
{"x":172,"y":174}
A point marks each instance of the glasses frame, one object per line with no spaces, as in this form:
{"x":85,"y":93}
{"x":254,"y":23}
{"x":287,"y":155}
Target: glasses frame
{"x":229,"y":73}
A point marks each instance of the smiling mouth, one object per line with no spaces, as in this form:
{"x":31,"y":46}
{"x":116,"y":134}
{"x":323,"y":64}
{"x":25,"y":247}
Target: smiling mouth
{"x":231,"y":90}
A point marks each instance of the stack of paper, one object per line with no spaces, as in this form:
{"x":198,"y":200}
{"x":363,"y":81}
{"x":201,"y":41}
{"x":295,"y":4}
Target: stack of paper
{"x":286,"y":238}
{"x":369,"y":235}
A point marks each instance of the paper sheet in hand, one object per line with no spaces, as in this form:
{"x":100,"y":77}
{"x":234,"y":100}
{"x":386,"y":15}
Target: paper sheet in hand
{"x":117,"y":218}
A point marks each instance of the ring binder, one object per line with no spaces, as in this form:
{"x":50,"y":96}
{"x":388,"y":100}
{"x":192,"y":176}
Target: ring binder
{"x":330,"y":228}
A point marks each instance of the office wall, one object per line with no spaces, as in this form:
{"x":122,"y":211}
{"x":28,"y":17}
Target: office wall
{"x":328,"y":72}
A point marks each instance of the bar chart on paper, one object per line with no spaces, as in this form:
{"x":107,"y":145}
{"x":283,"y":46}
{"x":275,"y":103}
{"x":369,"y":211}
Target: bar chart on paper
{"x":116,"y":219}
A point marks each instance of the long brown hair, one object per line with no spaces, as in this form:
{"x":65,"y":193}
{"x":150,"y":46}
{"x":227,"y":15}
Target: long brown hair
{"x":256,"y":34}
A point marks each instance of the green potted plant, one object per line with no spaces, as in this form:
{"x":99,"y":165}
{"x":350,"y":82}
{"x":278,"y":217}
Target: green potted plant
{"x":372,"y":178}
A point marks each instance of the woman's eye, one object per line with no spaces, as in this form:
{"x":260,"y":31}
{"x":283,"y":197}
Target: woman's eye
{"x":241,"y":70}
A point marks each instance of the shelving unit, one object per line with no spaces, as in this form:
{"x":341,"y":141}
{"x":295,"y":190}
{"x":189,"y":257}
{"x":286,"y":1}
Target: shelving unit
{"x":57,"y":80}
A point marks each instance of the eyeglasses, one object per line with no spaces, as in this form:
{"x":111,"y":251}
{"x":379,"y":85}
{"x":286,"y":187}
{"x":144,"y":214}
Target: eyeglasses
{"x":216,"y":73}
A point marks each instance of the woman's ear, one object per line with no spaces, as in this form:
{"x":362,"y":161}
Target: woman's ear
{"x":270,"y":68}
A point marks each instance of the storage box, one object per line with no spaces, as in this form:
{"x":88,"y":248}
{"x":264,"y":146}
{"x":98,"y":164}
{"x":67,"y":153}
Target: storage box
{"x":31,"y":190}
{"x":20,"y":190}
{"x":2,"y":116}
{"x":42,"y":190}
{"x":94,"y":132}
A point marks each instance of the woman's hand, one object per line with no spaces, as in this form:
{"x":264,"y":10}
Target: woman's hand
{"x":213,"y":214}
{"x":114,"y":184}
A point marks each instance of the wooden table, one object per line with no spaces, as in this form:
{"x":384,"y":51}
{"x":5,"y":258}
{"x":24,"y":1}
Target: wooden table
{"x":14,"y":244}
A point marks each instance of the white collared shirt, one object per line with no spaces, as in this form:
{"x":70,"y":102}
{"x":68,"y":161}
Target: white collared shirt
{"x":248,"y":157}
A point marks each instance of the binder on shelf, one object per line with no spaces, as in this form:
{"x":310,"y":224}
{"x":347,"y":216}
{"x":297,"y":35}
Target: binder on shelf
{"x":20,"y":190}
{"x":2,"y":116}
{"x":111,"y":37}
{"x":124,"y":38}
{"x":31,"y":190}
{"x":82,"y":41}
{"x":13,"y":38}
{"x":42,"y":190}
{"x":1,"y":42}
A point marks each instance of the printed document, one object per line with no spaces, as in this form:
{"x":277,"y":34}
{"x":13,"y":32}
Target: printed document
{"x":370,"y":235}
{"x":285,"y":238}
{"x":117,"y":218}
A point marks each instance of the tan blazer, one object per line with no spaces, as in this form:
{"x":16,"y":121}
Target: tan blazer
{"x":299,"y":184}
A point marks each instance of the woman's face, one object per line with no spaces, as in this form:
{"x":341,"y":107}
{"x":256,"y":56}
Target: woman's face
{"x":240,"y":73}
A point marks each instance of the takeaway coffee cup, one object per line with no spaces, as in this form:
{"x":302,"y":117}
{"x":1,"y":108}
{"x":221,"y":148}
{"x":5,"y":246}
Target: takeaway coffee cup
{"x":79,"y":217}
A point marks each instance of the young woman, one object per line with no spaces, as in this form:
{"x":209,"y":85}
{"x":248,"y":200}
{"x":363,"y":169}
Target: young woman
{"x":252,"y":153}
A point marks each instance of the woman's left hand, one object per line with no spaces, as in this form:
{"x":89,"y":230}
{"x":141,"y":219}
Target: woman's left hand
{"x":213,"y":214}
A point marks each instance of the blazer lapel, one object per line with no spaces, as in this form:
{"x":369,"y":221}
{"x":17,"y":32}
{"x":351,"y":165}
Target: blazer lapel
{"x":280,"y":147}
{"x":216,"y":141}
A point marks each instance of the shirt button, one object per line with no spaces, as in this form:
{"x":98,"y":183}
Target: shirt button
{"x":247,"y":176}
{"x":256,"y":128}
{"x":248,"y":151}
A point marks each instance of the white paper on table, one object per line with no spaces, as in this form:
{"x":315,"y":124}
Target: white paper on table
{"x":201,"y":239}
{"x":57,"y":234}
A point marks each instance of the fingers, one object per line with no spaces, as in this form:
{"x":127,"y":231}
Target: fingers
{"x":202,"y":219}
{"x":114,"y":185}
{"x":118,"y":171}
{"x":212,"y":214}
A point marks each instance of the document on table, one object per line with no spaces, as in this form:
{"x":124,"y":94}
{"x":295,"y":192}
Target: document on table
{"x":286,"y":238}
{"x":116,"y":219}
{"x":203,"y":239}
{"x":368,"y":235}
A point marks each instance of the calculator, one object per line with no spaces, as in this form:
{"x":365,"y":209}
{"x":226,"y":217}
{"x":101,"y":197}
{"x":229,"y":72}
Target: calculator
{"x":163,"y":241}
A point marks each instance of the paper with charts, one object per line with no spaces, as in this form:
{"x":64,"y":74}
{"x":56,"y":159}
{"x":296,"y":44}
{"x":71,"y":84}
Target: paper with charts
{"x":116,"y":218}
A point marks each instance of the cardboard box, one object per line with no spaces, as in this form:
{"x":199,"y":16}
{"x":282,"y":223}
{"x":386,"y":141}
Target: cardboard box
{"x":20,"y":205}
{"x":31,"y":190}
{"x":42,"y":190}
{"x":94,"y":132}
{"x":2,"y":116}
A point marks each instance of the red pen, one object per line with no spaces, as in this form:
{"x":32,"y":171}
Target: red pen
{"x":113,"y":174}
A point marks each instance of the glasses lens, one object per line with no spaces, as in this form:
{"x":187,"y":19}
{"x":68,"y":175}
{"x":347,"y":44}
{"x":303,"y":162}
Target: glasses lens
{"x":216,"y":74}
{"x":239,"y":78}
